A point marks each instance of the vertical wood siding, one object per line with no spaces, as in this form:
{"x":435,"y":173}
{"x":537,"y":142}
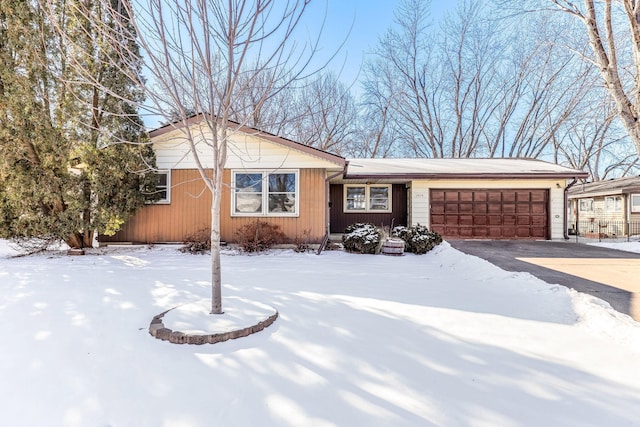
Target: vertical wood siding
{"x":189,"y":212}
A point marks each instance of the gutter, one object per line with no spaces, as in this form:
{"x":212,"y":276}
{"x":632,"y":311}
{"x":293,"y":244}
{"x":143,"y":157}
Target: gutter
{"x":566,"y":213}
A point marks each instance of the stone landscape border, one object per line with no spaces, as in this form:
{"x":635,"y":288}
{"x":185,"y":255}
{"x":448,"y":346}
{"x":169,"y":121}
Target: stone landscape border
{"x":157,"y":330}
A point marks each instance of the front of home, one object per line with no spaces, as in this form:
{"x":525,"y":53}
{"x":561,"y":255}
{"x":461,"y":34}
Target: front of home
{"x":309,"y":193}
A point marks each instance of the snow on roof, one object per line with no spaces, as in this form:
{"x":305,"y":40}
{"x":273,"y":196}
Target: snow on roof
{"x":359,"y":168}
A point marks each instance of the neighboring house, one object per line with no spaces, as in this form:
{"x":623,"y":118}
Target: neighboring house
{"x":612,"y":206}
{"x":310,"y":192}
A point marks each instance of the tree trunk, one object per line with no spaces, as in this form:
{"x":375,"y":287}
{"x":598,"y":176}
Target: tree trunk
{"x":216,"y":274}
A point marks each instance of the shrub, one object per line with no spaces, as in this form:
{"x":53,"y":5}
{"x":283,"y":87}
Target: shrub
{"x":362,"y":238}
{"x":303,"y":243}
{"x":197,"y":243}
{"x":259,"y":236}
{"x":417,"y":239}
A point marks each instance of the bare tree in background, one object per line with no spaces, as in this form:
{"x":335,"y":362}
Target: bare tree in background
{"x":597,"y":145}
{"x":479,"y":86}
{"x":325,"y":114}
{"x":613,"y":29}
{"x":202,"y":55}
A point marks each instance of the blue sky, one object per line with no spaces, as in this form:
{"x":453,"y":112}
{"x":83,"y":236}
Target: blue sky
{"x":368,"y":19}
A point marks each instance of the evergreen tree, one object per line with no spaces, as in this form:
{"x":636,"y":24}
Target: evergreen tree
{"x":63,"y":174}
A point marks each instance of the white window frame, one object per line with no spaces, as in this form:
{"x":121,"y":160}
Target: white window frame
{"x":265,"y":194}
{"x":581,"y":207}
{"x":164,"y":200}
{"x":634,"y":202}
{"x":367,"y":197}
{"x":617,"y":206}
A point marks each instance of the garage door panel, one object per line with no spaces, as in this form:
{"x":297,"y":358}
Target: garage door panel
{"x":480,"y":220}
{"x":480,"y":196}
{"x":494,"y":208}
{"x":494,"y":214}
{"x":466,"y":207}
{"x":437,"y":220}
{"x":465,"y":220}
{"x":522,"y":208}
{"x":538,"y":208}
{"x":508,"y":196}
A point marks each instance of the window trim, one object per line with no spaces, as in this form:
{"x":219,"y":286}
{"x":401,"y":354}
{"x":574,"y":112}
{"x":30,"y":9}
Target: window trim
{"x":580,"y":201}
{"x":166,"y":200}
{"x":367,"y":197}
{"x":265,"y":194}
{"x":614,"y":210}
{"x":635,"y":208}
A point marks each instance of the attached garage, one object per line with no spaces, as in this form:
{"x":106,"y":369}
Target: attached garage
{"x":490,"y":213}
{"x":476,"y":198}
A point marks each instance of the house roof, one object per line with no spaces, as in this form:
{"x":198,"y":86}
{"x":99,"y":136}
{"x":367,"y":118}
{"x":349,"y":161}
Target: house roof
{"x":630,"y":184}
{"x":457,"y":169}
{"x":196,"y":118}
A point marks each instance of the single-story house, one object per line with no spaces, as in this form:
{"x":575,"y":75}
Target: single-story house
{"x":613,"y":205}
{"x":310,"y":192}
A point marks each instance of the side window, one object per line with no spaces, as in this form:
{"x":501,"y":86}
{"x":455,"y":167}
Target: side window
{"x":635,"y":203}
{"x":585,"y":205}
{"x":613,"y":203}
{"x":163,"y":186}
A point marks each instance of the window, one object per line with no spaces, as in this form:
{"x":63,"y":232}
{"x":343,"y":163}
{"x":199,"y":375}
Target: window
{"x":261,"y":193}
{"x":635,"y":203}
{"x":367,"y":198}
{"x":613,"y":204}
{"x":585,"y":205}
{"x":163,"y":186}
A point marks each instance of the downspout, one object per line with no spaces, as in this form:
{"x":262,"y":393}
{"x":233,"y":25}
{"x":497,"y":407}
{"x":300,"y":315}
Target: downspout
{"x":328,"y":208}
{"x":566,"y":201}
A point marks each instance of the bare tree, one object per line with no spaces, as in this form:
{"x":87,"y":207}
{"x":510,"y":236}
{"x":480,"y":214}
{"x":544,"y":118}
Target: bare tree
{"x":613,"y":29}
{"x":325,"y":114}
{"x":476,"y":86}
{"x":202,"y":55}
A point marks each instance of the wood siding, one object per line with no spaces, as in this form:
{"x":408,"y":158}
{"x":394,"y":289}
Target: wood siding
{"x":340,"y":219}
{"x":189,"y":212}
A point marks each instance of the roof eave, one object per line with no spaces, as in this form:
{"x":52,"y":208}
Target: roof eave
{"x":414,"y":176}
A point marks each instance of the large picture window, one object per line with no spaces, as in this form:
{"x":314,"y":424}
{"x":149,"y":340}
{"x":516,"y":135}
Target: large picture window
{"x":262,"y":193}
{"x":367,"y":198}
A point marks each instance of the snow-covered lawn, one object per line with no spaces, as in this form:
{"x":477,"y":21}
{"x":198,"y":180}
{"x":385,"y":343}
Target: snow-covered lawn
{"x":442,"y":339}
{"x":632,"y":246}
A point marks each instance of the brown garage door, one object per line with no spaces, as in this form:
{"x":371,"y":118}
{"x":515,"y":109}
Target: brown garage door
{"x":490,"y":214}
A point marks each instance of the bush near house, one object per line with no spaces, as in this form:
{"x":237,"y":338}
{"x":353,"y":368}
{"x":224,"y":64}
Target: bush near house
{"x":362,"y":237}
{"x":418,"y":238}
{"x":197,"y":243}
{"x":259,"y":236}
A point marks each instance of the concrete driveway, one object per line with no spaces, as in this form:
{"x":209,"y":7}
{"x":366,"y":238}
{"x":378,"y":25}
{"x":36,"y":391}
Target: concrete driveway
{"x":609,"y":274}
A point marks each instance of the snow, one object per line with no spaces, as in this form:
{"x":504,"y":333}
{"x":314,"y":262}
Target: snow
{"x":632,"y":246}
{"x":442,"y":339}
